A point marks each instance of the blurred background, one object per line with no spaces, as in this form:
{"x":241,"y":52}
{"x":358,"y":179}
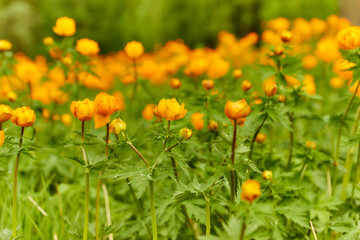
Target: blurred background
{"x":114,"y":22}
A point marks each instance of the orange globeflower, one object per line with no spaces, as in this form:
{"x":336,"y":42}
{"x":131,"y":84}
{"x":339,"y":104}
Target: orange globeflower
{"x":23,"y":117}
{"x":66,"y":119}
{"x":238,"y":109}
{"x":208,"y":84}
{"x":87,"y":47}
{"x":2,"y":137}
{"x":134,"y":49}
{"x":250,"y":190}
{"x":5,"y":113}
{"x":337,"y":82}
{"x":237,"y":73}
{"x":65,"y":27}
{"x":48,"y":41}
{"x":349,"y":38}
{"x":341,"y":68}
{"x":170,"y":109}
{"x":105,"y":106}
{"x":197,"y":121}
{"x":186,"y":133}
{"x":246,"y":85}
{"x":269,"y":86}
{"x":260,"y":138}
{"x":5,"y":45}
{"x":218,"y":68}
{"x":148,"y":113}
{"x":83,"y":110}
{"x":267,"y":175}
{"x":309,"y":62}
{"x":286,"y":36}
{"x":281,"y":98}
{"x":175,"y":83}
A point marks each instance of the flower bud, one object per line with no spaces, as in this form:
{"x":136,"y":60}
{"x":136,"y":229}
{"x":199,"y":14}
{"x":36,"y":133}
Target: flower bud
{"x":11,"y":96}
{"x":281,"y":98}
{"x":237,"y":73}
{"x":208,"y":84}
{"x":46,"y":113}
{"x":66,"y":119}
{"x":23,"y":117}
{"x":260,"y":138}
{"x":267,"y":175}
{"x":310,"y":144}
{"x":269,"y":86}
{"x":286,"y":36}
{"x":147,"y":113}
{"x":279,"y":50}
{"x":213,"y":125}
{"x":48,"y":41}
{"x":197,"y":121}
{"x":186,"y":133}
{"x":250,"y":190}
{"x":117,"y":126}
{"x":175,"y":83}
{"x":246,"y":85}
{"x":5,"y":45}
{"x":5,"y":113}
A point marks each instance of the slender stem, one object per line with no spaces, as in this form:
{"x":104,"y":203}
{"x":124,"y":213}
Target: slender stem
{"x":152,"y":206}
{"x":232,"y":171}
{"x":336,"y":154}
{"x":313,"y":230}
{"x":86,"y":209}
{"x":243,"y":228}
{"x":169,"y":149}
{"x":167,"y":135}
{"x":138,"y":153}
{"x":291,"y":118}
{"x":254,"y":137}
{"x":354,"y":179}
{"x":0,"y":126}
{"x":107,"y":209}
{"x":208,"y":225}
{"x":107,"y":140}
{"x":16,"y":169}
{"x":136,"y":79}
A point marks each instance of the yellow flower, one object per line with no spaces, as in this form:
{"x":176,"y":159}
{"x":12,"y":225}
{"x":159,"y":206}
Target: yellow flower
{"x":5,"y":113}
{"x":310,"y":144}
{"x":208,"y":84}
{"x":147,"y":113}
{"x":246,"y":85}
{"x":48,"y":41}
{"x":341,"y":68}
{"x":337,"y":82}
{"x":349,"y":38}
{"x":170,"y":109}
{"x":309,"y":84}
{"x":23,"y":117}
{"x":238,"y":109}
{"x":213,"y":125}
{"x":186,"y":133}
{"x":117,"y":126}
{"x":66,"y":119}
{"x":134,"y":49}
{"x":286,"y":36}
{"x":83,"y":110}
{"x":175,"y":83}
{"x":250,"y":190}
{"x":281,"y":98}
{"x":65,"y":27}
{"x":217,"y":68}
{"x":87,"y":47}
{"x":197,"y":121}
{"x":269,"y":86}
{"x":267,"y":175}
{"x":309,"y":62}
{"x":5,"y":45}
{"x":105,"y":105}
{"x":237,"y":73}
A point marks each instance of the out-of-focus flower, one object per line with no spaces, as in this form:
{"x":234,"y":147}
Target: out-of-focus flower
{"x":260,"y":138}
{"x":213,"y":125}
{"x":147,"y":113}
{"x":267,"y":175}
{"x":23,"y":117}
{"x":217,"y":68}
{"x":349,"y":38}
{"x":237,"y":73}
{"x":5,"y":113}
{"x":2,"y":137}
{"x":105,"y":106}
{"x":66,"y":119}
{"x":246,"y":85}
{"x":341,"y":67}
{"x":65,"y":27}
{"x":5,"y":45}
{"x":87,"y":47}
{"x":197,"y":121}
{"x":309,"y":84}
{"x":134,"y":49}
{"x":327,"y":50}
{"x":208,"y":84}
{"x":337,"y":82}
{"x":310,"y":144}
{"x":250,"y":190}
{"x":175,"y":83}
{"x":48,"y":41}
{"x":269,"y":86}
{"x":292,"y":81}
{"x":286,"y":36}
{"x":281,"y":98}
{"x":309,"y":61}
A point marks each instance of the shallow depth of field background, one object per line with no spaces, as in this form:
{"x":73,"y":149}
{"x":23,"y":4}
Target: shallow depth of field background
{"x":113,"y":23}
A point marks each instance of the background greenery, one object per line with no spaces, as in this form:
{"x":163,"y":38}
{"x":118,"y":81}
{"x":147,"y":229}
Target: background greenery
{"x":114,"y":22}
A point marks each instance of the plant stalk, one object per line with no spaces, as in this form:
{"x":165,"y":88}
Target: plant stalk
{"x":232,"y":171}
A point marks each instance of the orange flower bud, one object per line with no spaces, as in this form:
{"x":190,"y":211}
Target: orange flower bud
{"x":83,"y":110}
{"x":309,"y":62}
{"x":5,"y":45}
{"x":147,"y":113}
{"x":2,"y":137}
{"x":66,"y":119}
{"x":11,"y":96}
{"x":48,"y":41}
{"x":349,"y":38}
{"x":269,"y":86}
{"x":134,"y":49}
{"x":281,"y":98}
{"x":260,"y":138}
{"x":286,"y":36}
{"x":105,"y":106}
{"x":279,"y":50}
{"x":310,"y":144}
{"x":186,"y":133}
{"x":208,"y":84}
{"x":5,"y":113}
{"x":175,"y":83}
{"x":250,"y":190}
{"x":170,"y":109}
{"x":337,"y":82}
{"x":291,"y":81}
{"x":213,"y":125}
{"x":65,"y":26}
{"x":117,"y":126}
{"x":246,"y":85}
{"x":237,"y":73}
{"x":46,"y":113}
{"x":23,"y":117}
{"x":87,"y":47}
{"x":197,"y":121}
{"x":238,"y":109}
{"x":267,"y":175}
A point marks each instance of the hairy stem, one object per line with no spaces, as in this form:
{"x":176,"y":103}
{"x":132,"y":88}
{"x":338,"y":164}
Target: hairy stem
{"x":208,"y":225}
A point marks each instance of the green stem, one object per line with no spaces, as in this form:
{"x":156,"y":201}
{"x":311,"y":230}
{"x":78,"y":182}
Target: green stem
{"x":336,"y":154}
{"x":16,"y":169}
{"x":167,"y":135}
{"x":291,"y":118}
{"x":254,"y":137}
{"x":208,"y":214}
{"x":152,"y":207}
{"x":232,"y":171}
{"x":355,"y":175}
{"x":243,"y":228}
{"x":86,"y":209}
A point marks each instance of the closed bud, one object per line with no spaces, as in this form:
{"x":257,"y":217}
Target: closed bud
{"x":213,"y":125}
{"x":237,"y":73}
{"x":269,"y":86}
{"x":250,"y":190}
{"x":186,"y":133}
{"x":281,"y":98}
{"x":117,"y":126}
{"x":208,"y":84}
{"x":11,"y":96}
{"x":286,"y":36}
{"x":246,"y":85}
{"x":175,"y":83}
{"x":310,"y":144}
{"x":267,"y":175}
{"x":260,"y":138}
{"x":279,"y":50}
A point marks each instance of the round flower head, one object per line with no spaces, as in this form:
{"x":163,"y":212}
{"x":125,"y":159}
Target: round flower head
{"x":269,"y":86}
{"x":83,"y":110}
{"x":208,"y":84}
{"x":349,"y":38}
{"x":66,"y":119}
{"x":5,"y":45}
{"x":267,"y":175}
{"x":310,"y":144}
{"x":170,"y":109}
{"x":48,"y":41}
{"x":186,"y":133}
{"x":250,"y":190}
{"x":5,"y":113}
{"x":175,"y":83}
{"x":105,"y":105}
{"x":197,"y":121}
{"x":147,"y":113}
{"x":260,"y":137}
{"x":246,"y":85}
{"x":238,"y":109}
{"x":218,"y":68}
{"x":237,"y":73}
{"x":87,"y":47}
{"x":281,"y":98}
{"x":134,"y":49}
{"x":65,"y":27}
{"x":23,"y":117}
{"x":213,"y":125}
{"x":117,"y":126}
